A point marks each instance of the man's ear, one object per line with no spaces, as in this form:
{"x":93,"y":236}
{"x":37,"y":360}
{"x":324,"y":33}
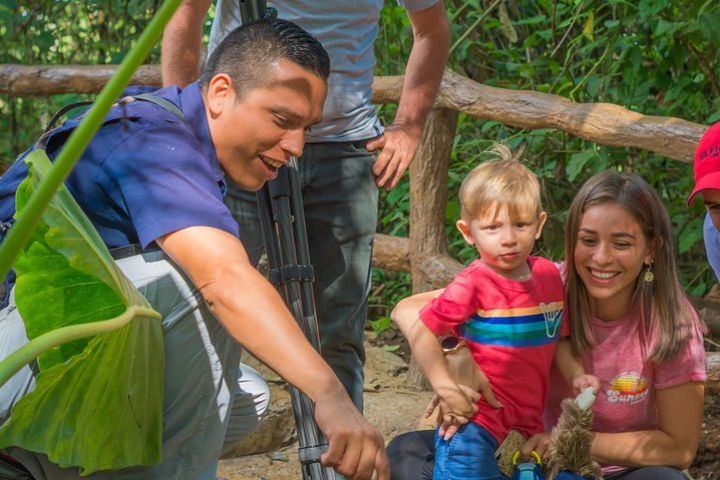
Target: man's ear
{"x":220,"y":93}
{"x":464,"y":229}
{"x":542,"y":218}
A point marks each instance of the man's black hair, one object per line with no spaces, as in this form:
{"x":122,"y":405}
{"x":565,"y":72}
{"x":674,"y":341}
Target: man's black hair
{"x":247,"y":53}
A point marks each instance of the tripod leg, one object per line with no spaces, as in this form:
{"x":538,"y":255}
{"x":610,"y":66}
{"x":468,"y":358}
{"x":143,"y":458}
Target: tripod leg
{"x":283,"y":227}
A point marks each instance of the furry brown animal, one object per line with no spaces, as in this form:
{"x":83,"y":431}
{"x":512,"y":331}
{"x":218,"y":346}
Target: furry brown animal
{"x":570,"y":443}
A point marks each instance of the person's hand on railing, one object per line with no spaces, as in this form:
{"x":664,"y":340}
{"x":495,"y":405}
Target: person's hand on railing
{"x":397,"y":145}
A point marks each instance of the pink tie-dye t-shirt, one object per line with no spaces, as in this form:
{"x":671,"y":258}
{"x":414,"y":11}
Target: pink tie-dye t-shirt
{"x":627,"y":399}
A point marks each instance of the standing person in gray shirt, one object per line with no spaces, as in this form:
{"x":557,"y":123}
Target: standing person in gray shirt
{"x":347,"y":154}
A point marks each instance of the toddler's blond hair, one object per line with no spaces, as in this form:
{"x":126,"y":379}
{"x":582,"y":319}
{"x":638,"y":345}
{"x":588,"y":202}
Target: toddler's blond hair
{"x":502,"y":181}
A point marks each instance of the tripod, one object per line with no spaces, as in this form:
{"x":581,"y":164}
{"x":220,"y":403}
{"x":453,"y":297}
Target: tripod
{"x":282,"y":221}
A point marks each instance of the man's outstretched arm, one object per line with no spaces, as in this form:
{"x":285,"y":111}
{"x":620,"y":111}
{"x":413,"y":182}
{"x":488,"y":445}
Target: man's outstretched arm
{"x":180,"y":50}
{"x":425,"y":67}
{"x":253,"y":313}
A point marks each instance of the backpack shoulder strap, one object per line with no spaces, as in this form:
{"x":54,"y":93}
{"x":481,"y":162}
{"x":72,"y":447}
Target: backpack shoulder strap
{"x":42,"y":141}
{"x":163,"y":103}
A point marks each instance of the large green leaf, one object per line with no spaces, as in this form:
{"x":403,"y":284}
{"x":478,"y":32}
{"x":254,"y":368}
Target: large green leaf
{"x":97,"y":404}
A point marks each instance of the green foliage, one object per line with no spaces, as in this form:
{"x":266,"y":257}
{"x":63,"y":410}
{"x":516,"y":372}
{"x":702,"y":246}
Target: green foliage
{"x":110,"y":416}
{"x":97,"y":406}
{"x":657,"y":57}
{"x":381,"y":324}
{"x":51,"y":32}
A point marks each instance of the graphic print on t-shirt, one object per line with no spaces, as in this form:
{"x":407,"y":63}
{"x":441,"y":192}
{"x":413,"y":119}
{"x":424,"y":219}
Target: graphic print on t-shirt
{"x":552,"y":313}
{"x":628,"y":387}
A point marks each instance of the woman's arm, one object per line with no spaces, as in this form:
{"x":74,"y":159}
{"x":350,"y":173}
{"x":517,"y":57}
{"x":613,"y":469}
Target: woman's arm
{"x":458,"y":404}
{"x":571,"y":368}
{"x":674,"y":443}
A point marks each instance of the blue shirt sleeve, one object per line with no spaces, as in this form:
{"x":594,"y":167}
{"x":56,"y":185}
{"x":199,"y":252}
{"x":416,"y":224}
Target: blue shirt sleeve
{"x":165,"y":183}
{"x":711,"y":235}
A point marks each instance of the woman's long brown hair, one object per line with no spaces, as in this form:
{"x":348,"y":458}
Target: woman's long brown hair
{"x":667,"y":318}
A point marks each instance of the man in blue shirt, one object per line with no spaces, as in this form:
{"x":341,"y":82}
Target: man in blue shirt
{"x":153,"y":183}
{"x":340,"y":168}
{"x":707,"y":184}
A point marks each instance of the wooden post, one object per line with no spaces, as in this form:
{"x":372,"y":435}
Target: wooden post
{"x":428,"y":199}
{"x":428,"y":194}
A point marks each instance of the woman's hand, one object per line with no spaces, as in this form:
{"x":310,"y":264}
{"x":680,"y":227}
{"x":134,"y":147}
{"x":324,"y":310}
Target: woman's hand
{"x":449,"y":423}
{"x":464,"y":371}
{"x":456,"y":407}
{"x":472,"y":380}
{"x":581,"y":382}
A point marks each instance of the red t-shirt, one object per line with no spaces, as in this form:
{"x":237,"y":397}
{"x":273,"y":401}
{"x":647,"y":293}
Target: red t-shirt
{"x":512,"y":328}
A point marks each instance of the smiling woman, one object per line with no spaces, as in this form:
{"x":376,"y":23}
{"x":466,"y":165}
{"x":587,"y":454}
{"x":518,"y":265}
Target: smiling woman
{"x":634,"y":329}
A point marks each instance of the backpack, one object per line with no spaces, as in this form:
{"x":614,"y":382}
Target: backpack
{"x":50,"y":141}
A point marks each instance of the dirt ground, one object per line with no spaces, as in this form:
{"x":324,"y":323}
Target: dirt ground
{"x":395,"y":408}
{"x":707,"y":462}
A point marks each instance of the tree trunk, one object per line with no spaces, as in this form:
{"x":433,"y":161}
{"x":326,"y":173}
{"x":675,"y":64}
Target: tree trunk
{"x":428,"y":197}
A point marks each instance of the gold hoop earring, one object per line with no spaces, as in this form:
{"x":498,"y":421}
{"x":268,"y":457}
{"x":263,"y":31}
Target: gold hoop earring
{"x":649,"y":276}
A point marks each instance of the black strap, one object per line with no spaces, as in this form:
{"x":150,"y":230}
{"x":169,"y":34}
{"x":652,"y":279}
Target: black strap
{"x":163,"y":103}
{"x":42,"y":141}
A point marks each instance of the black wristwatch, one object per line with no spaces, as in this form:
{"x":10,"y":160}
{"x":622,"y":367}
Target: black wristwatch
{"x":451,"y":344}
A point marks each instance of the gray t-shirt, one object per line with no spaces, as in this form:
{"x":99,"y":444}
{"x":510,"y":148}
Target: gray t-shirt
{"x":347,"y":29}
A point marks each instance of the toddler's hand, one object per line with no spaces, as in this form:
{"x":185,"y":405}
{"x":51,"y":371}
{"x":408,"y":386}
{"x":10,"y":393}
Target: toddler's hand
{"x":581,"y":382}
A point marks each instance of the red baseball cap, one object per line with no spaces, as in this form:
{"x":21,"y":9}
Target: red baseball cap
{"x":707,"y":162}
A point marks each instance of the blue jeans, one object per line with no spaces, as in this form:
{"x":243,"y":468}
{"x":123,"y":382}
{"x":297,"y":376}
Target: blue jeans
{"x":340,"y":205}
{"x":468,"y":455}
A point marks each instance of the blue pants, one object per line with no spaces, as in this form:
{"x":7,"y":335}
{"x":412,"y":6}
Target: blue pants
{"x":340,"y":205}
{"x":468,"y":455}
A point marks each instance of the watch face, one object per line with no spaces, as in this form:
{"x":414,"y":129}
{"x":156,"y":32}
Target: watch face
{"x":448,"y":343}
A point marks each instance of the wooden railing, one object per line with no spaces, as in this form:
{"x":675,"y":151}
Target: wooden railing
{"x":424,"y":254}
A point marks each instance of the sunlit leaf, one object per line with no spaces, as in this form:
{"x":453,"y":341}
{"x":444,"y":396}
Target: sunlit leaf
{"x":96,"y":405}
{"x":506,"y":24}
{"x":589,"y":27}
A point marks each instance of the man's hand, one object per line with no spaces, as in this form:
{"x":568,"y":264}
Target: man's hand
{"x":397,"y":145}
{"x":356,"y":449}
{"x":425,"y":67}
{"x":221,"y":269}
